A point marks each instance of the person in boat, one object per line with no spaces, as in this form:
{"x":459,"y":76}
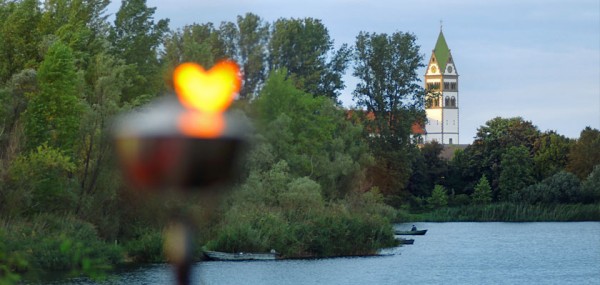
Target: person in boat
{"x":414,"y":229}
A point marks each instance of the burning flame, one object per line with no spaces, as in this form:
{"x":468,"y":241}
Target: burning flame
{"x":206,"y":94}
{"x":209,"y":91}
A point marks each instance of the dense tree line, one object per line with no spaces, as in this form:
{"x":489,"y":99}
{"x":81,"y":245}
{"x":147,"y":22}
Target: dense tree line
{"x":511,"y":161}
{"x":66,"y":71}
{"x":316,"y":177}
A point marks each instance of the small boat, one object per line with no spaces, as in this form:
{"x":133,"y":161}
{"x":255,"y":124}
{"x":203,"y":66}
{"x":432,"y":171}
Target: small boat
{"x":406,"y":241}
{"x":240,"y":256}
{"x":411,"y":233}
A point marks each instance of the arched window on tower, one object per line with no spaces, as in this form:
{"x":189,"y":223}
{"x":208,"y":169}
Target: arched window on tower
{"x":453,"y":101}
{"x":447,"y":101}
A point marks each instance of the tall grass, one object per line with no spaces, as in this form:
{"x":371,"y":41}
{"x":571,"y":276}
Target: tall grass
{"x":510,"y":212}
{"x":59,"y":243}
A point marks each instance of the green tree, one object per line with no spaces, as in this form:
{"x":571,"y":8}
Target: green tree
{"x":551,"y":154}
{"x":311,"y":134}
{"x":302,"y":47}
{"x":200,"y":43}
{"x":439,"y":197}
{"x":428,"y":169}
{"x":516,"y":172}
{"x":484,"y":155}
{"x":13,"y":100}
{"x":483,"y":192}
{"x":419,"y":184}
{"x":461,"y":175}
{"x":386,"y":67}
{"x":97,"y":178}
{"x":53,"y":114}
{"x":248,"y":40}
{"x":584,"y":154}
{"x":80,"y":24}
{"x":437,"y":167}
{"x":136,"y":38}
{"x":20,"y":37}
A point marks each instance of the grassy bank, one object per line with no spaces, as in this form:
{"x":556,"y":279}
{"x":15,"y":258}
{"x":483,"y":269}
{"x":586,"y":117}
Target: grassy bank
{"x":298,"y":224}
{"x":508,"y":212}
{"x":52,"y":243}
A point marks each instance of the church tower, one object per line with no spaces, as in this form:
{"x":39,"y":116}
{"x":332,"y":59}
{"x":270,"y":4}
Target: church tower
{"x":441,"y":105}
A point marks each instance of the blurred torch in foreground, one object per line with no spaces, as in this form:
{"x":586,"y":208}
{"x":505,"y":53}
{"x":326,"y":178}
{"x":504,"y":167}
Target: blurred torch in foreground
{"x":190,"y":143}
{"x":186,"y":144}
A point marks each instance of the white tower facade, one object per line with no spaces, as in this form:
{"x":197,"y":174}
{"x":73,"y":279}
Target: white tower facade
{"x":442,"y":101}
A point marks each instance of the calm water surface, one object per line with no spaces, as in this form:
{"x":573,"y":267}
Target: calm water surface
{"x":450,"y":253}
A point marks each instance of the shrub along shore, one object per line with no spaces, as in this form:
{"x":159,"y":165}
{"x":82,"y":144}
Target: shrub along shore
{"x":54,"y":243}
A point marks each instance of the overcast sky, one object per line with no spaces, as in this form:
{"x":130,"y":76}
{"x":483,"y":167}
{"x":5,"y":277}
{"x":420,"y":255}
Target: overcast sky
{"x":538,"y":59}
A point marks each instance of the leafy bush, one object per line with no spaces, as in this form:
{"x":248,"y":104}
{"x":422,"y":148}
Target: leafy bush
{"x":533,"y":194}
{"x":562,"y":187}
{"x":52,"y":242}
{"x":459,"y":200}
{"x":590,"y":188}
{"x":303,"y":196}
{"x":371,"y":202}
{"x":273,"y":211}
{"x":415,"y":203}
{"x":10,"y":264}
{"x":42,"y":183}
{"x":146,"y":246}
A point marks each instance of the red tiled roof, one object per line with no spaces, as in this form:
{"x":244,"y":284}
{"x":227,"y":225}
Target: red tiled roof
{"x":416,"y":127}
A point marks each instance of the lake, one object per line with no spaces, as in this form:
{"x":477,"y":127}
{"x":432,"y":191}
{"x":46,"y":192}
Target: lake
{"x":450,"y":253}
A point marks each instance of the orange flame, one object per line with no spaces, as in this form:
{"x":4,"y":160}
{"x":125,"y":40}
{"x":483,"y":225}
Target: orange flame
{"x":201,"y":125}
{"x":209,"y":91}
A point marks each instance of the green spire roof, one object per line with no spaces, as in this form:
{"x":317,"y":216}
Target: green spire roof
{"x":441,"y":51}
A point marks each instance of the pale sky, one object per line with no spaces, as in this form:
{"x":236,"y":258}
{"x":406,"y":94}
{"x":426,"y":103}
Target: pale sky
{"x":538,"y":59}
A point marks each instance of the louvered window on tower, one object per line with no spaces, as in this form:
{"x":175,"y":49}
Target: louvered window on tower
{"x":433,"y":86}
